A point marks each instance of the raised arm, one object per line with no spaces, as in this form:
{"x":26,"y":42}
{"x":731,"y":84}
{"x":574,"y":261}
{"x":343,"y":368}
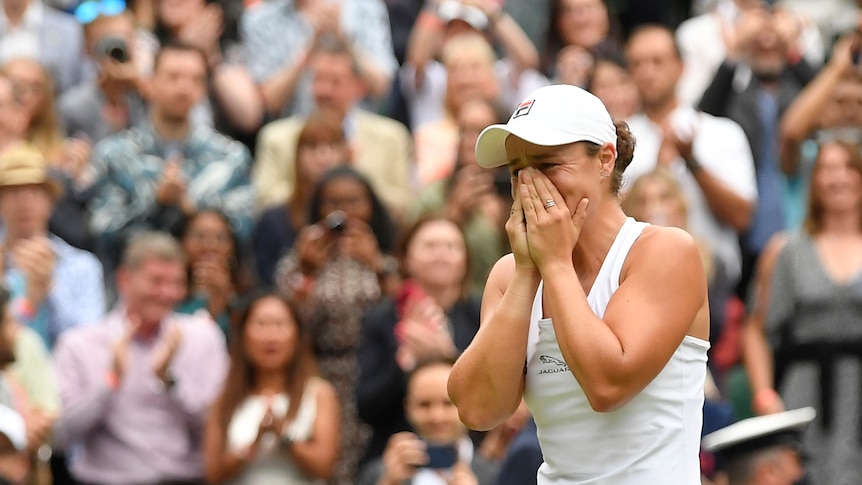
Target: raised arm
{"x":802,"y":117}
{"x":661,"y":298}
{"x":487,"y":382}
{"x":756,"y":352}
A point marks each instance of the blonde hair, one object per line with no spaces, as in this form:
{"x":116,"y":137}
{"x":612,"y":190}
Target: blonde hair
{"x":152,"y":245}
{"x":633,"y":201}
{"x":467,"y":46}
{"x":43,"y":130}
{"x":813,"y":222}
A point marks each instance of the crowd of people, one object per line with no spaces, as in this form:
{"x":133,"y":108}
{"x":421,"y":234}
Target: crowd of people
{"x":245,"y":241}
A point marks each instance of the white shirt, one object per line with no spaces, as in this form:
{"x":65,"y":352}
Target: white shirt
{"x":720,"y":146}
{"x":272,"y":465}
{"x":23,"y":40}
{"x":653,"y":440}
{"x":701,"y":43}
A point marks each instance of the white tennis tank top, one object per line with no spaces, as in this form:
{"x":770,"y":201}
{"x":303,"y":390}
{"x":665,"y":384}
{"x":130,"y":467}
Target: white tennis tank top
{"x":653,"y":440}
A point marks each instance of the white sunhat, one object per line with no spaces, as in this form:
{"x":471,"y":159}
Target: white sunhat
{"x":552,"y":115}
{"x":759,"y":432}
{"x":12,"y":426}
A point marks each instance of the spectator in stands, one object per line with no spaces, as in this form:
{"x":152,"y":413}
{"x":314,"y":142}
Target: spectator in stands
{"x":707,"y":39}
{"x":54,"y":287}
{"x":432,"y":315}
{"x":136,"y":387}
{"x":381,"y":147}
{"x":215,"y":273}
{"x":828,"y":109}
{"x":276,"y":421}
{"x":709,"y":156}
{"x":802,"y":339}
{"x":32,"y":373}
{"x":476,"y":198}
{"x":339,"y":267}
{"x":280,"y":36}
{"x":611,"y":82}
{"x":34,"y":30}
{"x":439,"y":452}
{"x":154,"y":175}
{"x":69,"y":157}
{"x":110,"y":100}
{"x":321,"y":146}
{"x":235,"y":101}
{"x":577,"y":27}
{"x":774,"y":80}
{"x":453,"y":31}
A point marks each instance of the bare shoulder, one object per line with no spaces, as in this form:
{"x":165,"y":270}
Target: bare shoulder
{"x":501,"y":273}
{"x":664,"y":249}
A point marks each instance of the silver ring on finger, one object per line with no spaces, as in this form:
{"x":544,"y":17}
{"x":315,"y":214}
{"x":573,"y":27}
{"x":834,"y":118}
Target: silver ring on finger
{"x":549,"y":203}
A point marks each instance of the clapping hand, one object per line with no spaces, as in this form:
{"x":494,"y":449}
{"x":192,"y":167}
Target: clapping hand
{"x":165,"y":353}
{"x":172,"y":186}
{"x":35,"y":258}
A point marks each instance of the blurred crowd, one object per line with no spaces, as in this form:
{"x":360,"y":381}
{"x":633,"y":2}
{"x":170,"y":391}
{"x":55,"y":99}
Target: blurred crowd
{"x":244,"y":240}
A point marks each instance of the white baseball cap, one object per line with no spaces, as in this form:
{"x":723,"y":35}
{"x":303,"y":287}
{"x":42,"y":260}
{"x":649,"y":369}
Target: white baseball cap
{"x":759,"y":432}
{"x":552,"y":115}
{"x":12,"y":426}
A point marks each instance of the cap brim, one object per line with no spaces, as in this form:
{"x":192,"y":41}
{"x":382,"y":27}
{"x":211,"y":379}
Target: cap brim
{"x":491,"y":144}
{"x":755,"y":428}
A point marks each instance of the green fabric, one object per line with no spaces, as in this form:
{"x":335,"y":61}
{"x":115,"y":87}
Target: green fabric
{"x":34,"y":371}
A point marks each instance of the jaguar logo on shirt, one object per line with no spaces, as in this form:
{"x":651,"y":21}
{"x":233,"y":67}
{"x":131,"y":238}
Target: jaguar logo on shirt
{"x":552,"y":365}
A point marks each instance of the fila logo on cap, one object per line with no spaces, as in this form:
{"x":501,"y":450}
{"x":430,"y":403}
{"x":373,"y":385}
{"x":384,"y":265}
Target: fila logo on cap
{"x":523,"y":108}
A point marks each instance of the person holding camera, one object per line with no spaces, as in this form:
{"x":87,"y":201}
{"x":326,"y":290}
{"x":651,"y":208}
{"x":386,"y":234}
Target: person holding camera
{"x":339,"y":266}
{"x":110,"y":101}
{"x":440,"y":451}
{"x":154,"y":175}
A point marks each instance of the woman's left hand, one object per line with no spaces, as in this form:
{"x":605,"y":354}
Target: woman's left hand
{"x":552,"y":232}
{"x":359,"y":242}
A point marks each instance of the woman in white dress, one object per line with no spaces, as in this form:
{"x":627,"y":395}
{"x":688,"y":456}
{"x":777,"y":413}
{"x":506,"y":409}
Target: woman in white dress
{"x":276,"y":421}
{"x":600,"y":322}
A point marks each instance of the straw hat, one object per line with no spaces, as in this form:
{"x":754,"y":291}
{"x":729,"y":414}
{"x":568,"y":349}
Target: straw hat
{"x":23,"y":164}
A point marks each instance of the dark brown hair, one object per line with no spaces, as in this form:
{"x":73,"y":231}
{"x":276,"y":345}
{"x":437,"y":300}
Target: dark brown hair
{"x":241,"y":375}
{"x":409,"y":234}
{"x":625,"y":152}
{"x":813,"y":222}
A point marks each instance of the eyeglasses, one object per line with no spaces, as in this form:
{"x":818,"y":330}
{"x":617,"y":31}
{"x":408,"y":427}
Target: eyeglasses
{"x":90,"y":10}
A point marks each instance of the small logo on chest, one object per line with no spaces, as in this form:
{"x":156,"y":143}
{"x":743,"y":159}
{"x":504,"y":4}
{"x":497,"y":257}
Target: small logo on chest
{"x":552,"y":365}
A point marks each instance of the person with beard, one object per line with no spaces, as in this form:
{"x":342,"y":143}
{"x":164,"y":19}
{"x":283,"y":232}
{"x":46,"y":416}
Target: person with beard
{"x":152,"y":176}
{"x":708,"y":156}
{"x":762,"y":56}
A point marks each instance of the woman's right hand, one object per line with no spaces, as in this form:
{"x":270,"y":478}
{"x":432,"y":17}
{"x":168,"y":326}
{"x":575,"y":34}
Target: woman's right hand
{"x":516,"y":228}
{"x":312,"y":248}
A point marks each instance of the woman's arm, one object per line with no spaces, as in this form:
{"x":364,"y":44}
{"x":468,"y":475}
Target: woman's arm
{"x":756,"y":352}
{"x":662,"y":292}
{"x":802,"y":117}
{"x":317,"y":455}
{"x":487,"y":381}
{"x":220,"y":464}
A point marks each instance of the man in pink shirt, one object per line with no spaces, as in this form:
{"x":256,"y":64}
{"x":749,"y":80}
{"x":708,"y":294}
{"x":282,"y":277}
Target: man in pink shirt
{"x":135,"y":388}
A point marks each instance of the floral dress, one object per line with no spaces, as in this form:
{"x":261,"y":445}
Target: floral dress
{"x":342,"y":291}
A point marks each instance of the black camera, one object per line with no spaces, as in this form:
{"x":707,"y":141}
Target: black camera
{"x":114,"y":47}
{"x":335,"y":222}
